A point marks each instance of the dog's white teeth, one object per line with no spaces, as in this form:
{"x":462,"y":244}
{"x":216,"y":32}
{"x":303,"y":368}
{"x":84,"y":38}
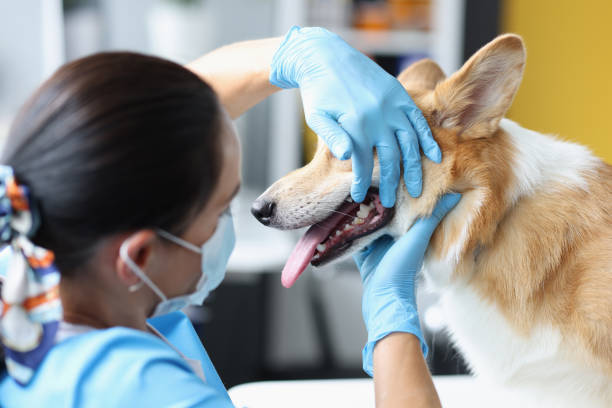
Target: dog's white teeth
{"x":347,"y":227}
{"x":349,"y":200}
{"x":320,"y":247}
{"x":317,"y":256}
{"x":338,"y":232}
{"x":358,"y":221}
{"x":363,"y":212}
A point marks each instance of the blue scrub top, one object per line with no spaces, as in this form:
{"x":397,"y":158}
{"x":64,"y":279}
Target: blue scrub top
{"x":122,"y":367}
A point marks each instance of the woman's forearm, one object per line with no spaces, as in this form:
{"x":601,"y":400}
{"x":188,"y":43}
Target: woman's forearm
{"x":401,"y":376}
{"x":239,"y":73}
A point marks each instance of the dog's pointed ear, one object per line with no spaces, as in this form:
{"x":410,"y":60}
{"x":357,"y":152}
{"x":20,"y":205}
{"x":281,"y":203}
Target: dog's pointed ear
{"x":475,"y":98}
{"x":421,"y":75}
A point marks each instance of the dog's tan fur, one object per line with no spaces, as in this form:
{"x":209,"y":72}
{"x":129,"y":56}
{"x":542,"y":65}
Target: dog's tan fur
{"x":544,"y":259}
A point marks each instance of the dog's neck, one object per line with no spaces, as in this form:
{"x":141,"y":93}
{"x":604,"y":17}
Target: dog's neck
{"x":497,"y":225}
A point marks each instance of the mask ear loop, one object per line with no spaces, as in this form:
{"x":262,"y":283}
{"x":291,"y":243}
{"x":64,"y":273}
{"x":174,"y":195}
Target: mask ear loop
{"x":136,"y":269}
{"x":179,"y":241}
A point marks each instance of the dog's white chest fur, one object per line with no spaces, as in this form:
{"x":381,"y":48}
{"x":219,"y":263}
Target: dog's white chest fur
{"x":529,"y":370}
{"x":492,"y":348}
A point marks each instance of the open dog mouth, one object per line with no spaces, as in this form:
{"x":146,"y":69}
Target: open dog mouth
{"x":332,"y":237}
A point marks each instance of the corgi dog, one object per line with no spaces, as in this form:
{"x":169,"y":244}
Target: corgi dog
{"x":523,"y":263}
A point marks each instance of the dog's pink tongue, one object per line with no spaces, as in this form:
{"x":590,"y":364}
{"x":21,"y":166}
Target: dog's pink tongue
{"x":305,"y":248}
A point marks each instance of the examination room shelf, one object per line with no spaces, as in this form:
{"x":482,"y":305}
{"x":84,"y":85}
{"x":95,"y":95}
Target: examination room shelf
{"x":387,"y":42}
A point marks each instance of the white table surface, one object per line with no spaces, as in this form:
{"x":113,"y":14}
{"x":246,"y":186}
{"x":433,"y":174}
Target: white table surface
{"x":455,"y":391}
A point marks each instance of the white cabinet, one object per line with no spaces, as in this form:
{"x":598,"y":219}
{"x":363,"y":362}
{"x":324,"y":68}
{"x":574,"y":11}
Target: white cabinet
{"x":31,"y":49}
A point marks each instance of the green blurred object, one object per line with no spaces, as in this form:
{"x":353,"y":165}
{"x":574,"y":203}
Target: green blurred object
{"x":309,"y":143}
{"x":70,"y":5}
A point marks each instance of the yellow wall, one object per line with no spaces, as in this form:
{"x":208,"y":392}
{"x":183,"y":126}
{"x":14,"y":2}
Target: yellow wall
{"x":567,"y":87}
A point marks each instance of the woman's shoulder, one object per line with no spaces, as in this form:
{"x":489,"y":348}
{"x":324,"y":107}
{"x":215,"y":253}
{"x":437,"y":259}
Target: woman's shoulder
{"x":113,"y":367}
{"x":116,"y":342}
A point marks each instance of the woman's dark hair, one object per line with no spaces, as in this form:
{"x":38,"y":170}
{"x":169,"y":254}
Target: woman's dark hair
{"x":111,"y":143}
{"x":115,"y":142}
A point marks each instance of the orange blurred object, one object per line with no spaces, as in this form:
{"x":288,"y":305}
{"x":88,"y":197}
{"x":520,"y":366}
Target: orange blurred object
{"x":393,"y":14}
{"x":414,"y":14}
{"x":372,"y":16}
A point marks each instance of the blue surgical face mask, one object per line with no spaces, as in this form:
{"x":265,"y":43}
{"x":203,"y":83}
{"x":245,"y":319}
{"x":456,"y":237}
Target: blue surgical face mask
{"x":215,"y":255}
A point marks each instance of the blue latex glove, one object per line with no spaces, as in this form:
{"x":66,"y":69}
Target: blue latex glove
{"x":388,"y":272}
{"x":354,"y":106}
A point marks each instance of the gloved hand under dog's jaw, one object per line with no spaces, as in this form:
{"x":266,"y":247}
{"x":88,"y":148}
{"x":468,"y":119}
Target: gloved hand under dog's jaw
{"x":388,"y":269}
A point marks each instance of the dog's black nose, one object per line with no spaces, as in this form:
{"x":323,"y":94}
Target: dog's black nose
{"x":263,"y":210}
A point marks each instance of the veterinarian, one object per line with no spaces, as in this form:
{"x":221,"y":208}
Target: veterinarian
{"x":117,"y":176}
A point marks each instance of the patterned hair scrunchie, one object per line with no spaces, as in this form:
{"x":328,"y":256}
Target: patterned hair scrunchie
{"x":30,"y":307}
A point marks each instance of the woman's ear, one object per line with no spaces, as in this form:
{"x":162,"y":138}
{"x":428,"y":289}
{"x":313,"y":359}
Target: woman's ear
{"x":139,"y":246}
